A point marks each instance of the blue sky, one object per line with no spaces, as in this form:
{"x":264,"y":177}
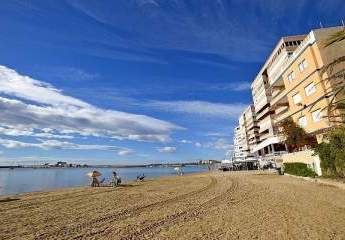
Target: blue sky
{"x":135,"y":81}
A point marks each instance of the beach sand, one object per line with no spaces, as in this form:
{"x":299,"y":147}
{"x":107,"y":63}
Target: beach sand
{"x":216,"y":205}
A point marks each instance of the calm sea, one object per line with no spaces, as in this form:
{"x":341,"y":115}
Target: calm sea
{"x":21,"y":180}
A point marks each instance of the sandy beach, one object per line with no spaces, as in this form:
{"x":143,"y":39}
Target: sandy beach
{"x":217,"y":205}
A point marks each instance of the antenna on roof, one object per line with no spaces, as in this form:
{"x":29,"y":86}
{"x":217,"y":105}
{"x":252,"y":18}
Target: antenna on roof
{"x":321,"y":26}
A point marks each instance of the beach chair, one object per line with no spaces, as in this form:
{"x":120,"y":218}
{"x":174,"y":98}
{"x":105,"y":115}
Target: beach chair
{"x":141,"y":177}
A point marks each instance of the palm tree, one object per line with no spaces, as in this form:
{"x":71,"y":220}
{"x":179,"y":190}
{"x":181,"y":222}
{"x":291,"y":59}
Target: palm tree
{"x":335,"y":80}
{"x":335,"y":37}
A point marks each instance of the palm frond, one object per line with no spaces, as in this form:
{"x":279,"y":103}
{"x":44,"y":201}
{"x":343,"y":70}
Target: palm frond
{"x":334,"y":38}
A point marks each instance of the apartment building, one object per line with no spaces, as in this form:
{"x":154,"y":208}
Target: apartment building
{"x":289,"y":85}
{"x":240,"y":147}
{"x":297,"y":86}
{"x":269,"y":143}
{"x":251,"y":127}
{"x":245,"y":135}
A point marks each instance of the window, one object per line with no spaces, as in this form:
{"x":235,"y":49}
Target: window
{"x":303,"y":65}
{"x":297,"y":98}
{"x":302,"y":121}
{"x":291,"y":76}
{"x":310,"y":89}
{"x":317,"y":115}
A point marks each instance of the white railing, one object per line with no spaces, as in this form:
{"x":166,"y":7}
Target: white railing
{"x":310,"y":39}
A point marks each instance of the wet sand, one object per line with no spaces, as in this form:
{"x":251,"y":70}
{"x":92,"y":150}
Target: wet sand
{"x":229,"y":205}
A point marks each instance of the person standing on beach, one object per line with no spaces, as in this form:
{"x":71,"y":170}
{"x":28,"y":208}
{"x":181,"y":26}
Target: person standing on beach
{"x":116,"y":180}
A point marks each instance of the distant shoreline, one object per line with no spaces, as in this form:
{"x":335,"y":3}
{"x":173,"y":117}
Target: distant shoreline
{"x":104,"y":166}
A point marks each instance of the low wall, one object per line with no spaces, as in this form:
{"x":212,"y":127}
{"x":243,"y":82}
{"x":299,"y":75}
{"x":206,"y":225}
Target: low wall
{"x":306,"y":157}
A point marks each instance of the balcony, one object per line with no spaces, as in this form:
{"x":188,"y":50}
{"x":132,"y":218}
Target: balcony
{"x":281,"y":116}
{"x":309,"y":40}
{"x":281,"y":109}
{"x":263,"y":113}
{"x":280,"y":98}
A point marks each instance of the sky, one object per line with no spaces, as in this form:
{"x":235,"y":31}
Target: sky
{"x":136,"y":81}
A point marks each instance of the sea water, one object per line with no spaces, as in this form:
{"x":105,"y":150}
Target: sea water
{"x":20,"y":180}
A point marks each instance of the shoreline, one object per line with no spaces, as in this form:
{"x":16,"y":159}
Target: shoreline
{"x":101,"y":166}
{"x":88,"y":185}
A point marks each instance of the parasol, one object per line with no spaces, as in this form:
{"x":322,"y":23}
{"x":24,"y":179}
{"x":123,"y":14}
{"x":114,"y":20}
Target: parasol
{"x":94,"y":174}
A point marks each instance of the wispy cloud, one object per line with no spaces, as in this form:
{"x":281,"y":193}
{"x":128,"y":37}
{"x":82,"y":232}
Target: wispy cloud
{"x":208,"y":28}
{"x":25,"y":131}
{"x":230,"y":87}
{"x":55,"y":144}
{"x":219,"y":144}
{"x":38,"y":105}
{"x":167,"y":149}
{"x":218,"y":134}
{"x":66,"y":73}
{"x":202,"y":108}
{"x":125,"y":152}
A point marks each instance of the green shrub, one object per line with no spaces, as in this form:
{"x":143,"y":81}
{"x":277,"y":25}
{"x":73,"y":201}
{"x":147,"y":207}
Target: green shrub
{"x":299,"y":169}
{"x":332,"y":153}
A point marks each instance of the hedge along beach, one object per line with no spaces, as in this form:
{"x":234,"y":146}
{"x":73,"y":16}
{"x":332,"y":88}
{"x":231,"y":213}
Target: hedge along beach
{"x":211,"y":205}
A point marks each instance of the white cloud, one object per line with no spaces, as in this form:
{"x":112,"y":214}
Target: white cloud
{"x":24,"y":87}
{"x":69,"y":73}
{"x":125,"y":152}
{"x":219,"y":144}
{"x":40,"y":107}
{"x":203,"y":108}
{"x":55,"y":144}
{"x":167,"y":149}
{"x":234,"y":86}
{"x":217,"y":134}
{"x":185,"y":141}
{"x":24,"y":131}
{"x":240,"y":86}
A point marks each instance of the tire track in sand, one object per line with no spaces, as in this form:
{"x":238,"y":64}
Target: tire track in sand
{"x":154,"y":228}
{"x":67,"y":231}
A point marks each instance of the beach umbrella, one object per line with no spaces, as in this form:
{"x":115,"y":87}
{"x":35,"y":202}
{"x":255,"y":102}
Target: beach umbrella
{"x":94,"y":174}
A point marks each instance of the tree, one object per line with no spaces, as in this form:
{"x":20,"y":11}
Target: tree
{"x":295,"y":136}
{"x":332,"y":153}
{"x":334,"y":38}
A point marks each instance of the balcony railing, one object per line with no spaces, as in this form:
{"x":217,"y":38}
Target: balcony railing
{"x":310,"y":39}
{"x":281,"y":110}
{"x":281,"y":116}
{"x":279,"y":97}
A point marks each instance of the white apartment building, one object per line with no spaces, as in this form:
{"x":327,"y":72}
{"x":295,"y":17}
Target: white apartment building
{"x":245,"y":135}
{"x":269,"y":143}
{"x":240,"y":148}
